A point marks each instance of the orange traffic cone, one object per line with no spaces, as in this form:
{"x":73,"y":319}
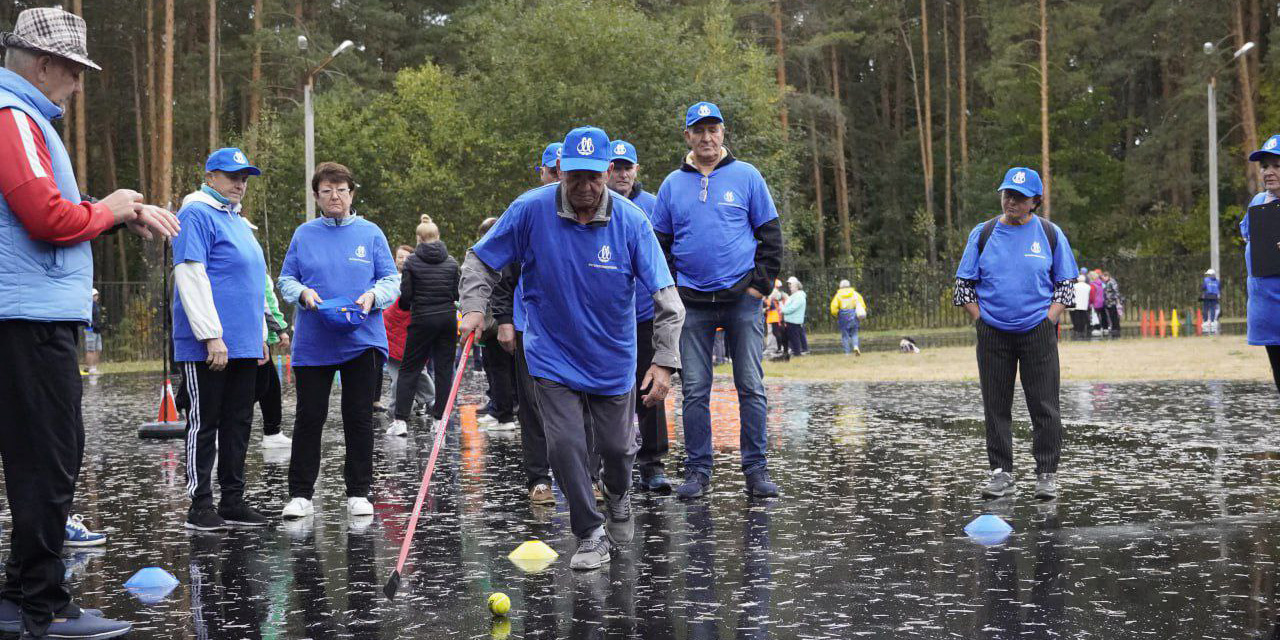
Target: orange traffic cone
{"x":168,"y":409}
{"x":1162,"y":323}
{"x":1199,"y":322}
{"x":167,"y":424}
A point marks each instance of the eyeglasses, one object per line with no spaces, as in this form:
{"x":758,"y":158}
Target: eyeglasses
{"x":327,"y":193}
{"x":705,"y":183}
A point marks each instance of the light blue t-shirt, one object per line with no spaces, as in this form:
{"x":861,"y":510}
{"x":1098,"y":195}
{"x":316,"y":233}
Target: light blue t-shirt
{"x":337,"y":261}
{"x":223,"y":242}
{"x":579,"y":286}
{"x":644,"y":297}
{"x":712,"y":221}
{"x":1016,"y":273}
{"x":793,"y":309}
{"x":1263,"y":313}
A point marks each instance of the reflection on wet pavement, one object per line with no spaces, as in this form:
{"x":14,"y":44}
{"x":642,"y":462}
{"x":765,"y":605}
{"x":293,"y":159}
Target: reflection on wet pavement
{"x":1167,"y":527}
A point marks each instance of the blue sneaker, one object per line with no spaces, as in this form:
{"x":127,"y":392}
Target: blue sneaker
{"x":86,"y":627}
{"x":11,"y":616}
{"x":79,"y":535}
{"x":696,"y":484}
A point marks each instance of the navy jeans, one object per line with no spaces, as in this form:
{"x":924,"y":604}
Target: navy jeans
{"x":849,"y":331}
{"x":744,"y":341}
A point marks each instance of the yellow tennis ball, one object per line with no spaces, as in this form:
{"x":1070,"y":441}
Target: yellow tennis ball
{"x":499,"y":604}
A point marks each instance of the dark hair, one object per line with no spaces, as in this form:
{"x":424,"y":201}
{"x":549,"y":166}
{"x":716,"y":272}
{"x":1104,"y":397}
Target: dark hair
{"x":403,"y":247}
{"x":487,"y":224}
{"x":334,"y":173}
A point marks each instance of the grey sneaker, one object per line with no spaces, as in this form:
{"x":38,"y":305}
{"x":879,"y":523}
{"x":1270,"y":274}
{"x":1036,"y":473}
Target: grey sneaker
{"x":1046,"y":486}
{"x":591,"y":554}
{"x":620,"y":525}
{"x":1000,"y":484}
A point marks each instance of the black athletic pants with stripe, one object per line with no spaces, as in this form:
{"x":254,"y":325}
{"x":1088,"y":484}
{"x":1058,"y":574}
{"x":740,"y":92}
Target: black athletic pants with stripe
{"x":218,"y":426}
{"x":1001,"y":356}
{"x":41,"y":445}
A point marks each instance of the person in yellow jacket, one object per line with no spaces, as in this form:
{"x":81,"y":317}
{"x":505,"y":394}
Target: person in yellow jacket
{"x":849,"y":309}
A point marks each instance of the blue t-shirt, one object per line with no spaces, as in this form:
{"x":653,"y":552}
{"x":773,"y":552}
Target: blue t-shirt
{"x":644,"y":297}
{"x":712,"y":221}
{"x":223,"y":242}
{"x":337,"y":261}
{"x":1263,"y":312}
{"x":579,"y":286}
{"x":1016,"y":273}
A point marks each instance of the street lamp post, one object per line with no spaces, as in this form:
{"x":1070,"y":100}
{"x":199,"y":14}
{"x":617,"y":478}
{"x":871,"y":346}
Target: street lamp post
{"x":309,"y":119}
{"x":1209,"y":48}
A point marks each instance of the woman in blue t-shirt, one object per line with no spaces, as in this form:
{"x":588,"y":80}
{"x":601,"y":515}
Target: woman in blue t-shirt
{"x":219,"y":337}
{"x":340,"y":273}
{"x":1264,"y":291}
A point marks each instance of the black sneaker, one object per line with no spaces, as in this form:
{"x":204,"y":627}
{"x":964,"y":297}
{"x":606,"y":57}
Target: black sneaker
{"x":654,"y":481}
{"x":696,"y":484}
{"x":760,"y":486}
{"x":242,"y":515}
{"x":205,"y":519}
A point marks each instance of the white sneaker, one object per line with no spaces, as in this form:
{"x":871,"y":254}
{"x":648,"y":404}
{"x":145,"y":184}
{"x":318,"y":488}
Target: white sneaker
{"x":502,"y":426}
{"x":298,"y":508}
{"x":486,"y":420}
{"x":277,"y":441}
{"x":359,"y":506}
{"x":398,"y":428}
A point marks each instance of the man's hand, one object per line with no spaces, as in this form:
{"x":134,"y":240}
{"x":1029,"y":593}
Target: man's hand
{"x":1055,"y":312}
{"x":310,"y":298}
{"x":285,"y":343}
{"x":152,"y":221}
{"x":124,"y":204}
{"x":217,"y":358}
{"x":365,"y":301}
{"x":507,"y":337}
{"x":266,"y":354}
{"x":658,"y":381}
{"x":751,"y":291}
{"x":471,"y":323}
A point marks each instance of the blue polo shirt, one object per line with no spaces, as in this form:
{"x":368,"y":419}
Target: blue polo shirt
{"x":712,"y":221}
{"x":337,"y":261}
{"x":644,"y":297}
{"x":222,"y":241}
{"x":1016,"y":273}
{"x":579,"y":286}
{"x":1263,"y":312}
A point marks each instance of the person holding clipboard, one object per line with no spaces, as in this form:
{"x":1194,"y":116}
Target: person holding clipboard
{"x":1261,"y":230}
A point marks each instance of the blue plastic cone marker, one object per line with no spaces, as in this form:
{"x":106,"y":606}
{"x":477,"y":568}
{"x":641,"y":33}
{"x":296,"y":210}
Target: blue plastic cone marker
{"x":151,"y":585}
{"x":988,"y":529}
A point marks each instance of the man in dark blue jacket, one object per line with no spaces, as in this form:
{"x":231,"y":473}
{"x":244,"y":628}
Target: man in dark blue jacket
{"x":716,"y":221}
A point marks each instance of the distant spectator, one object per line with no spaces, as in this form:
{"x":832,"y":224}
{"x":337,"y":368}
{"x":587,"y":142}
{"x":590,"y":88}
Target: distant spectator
{"x":774,"y":300}
{"x":1210,"y":292}
{"x":793,"y":315}
{"x":1080,"y":311}
{"x":93,"y":336}
{"x":849,"y":309}
{"x":1098,"y":302}
{"x":1111,"y":302}
{"x":396,"y":321}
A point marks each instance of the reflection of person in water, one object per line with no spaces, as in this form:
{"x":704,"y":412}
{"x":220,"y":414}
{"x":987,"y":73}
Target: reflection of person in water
{"x":700,"y":574}
{"x":654,"y":593}
{"x":999,"y":580}
{"x":757,"y":579}
{"x":363,"y":588}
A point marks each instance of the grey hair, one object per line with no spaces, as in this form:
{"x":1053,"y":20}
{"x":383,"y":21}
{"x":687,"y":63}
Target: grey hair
{"x":17,"y":58}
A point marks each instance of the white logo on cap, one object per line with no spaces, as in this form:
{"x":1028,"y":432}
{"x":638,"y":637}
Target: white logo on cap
{"x":360,"y":251}
{"x":605,"y":254}
{"x":239,"y":158}
{"x":1271,"y":144}
{"x":620,"y":149}
{"x":1035,"y":247}
{"x":704,"y":110}
{"x":1020,"y":177}
{"x":586,"y":147}
{"x":728,"y":196}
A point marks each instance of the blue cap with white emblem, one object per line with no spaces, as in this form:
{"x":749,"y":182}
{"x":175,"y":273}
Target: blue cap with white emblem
{"x":585,"y":149}
{"x":1269,"y":148}
{"x":230,"y":160}
{"x":623,"y":150}
{"x":702,"y":111}
{"x":551,"y":154}
{"x":1023,"y":180}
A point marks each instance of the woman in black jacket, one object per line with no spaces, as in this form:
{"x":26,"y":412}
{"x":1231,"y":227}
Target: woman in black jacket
{"x":429,"y":290}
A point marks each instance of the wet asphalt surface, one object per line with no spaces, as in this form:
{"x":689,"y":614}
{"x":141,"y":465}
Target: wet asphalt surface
{"x":1167,"y":527}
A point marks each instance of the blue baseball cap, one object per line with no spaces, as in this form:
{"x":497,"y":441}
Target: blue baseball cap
{"x":623,"y":150}
{"x":551,"y":154}
{"x":1269,"y":148}
{"x":342,"y":315}
{"x":230,"y":160}
{"x":702,"y":111}
{"x":585,"y":149}
{"x":1023,"y":180}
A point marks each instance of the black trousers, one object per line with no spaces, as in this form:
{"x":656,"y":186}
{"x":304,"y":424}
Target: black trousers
{"x":795,"y":338}
{"x":268,"y":395}
{"x":780,"y":336}
{"x":652,"y":420}
{"x":1080,"y":322}
{"x":1001,"y":356}
{"x":501,"y":369}
{"x":435,"y":337}
{"x":41,"y":446}
{"x":1273,"y":354}
{"x":1113,"y":318}
{"x":533,"y":439}
{"x":218,"y":426}
{"x":314,"y":384}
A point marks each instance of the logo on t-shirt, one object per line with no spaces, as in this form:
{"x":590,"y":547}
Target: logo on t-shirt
{"x":605,"y":254}
{"x":1035,"y":247}
{"x":1020,"y":177}
{"x":360,"y":251}
{"x":728,"y":196}
{"x":586,"y":147}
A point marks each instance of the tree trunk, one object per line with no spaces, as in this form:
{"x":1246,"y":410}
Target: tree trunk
{"x":1044,"y":106}
{"x":820,"y":220}
{"x":946,"y":83}
{"x":138,"y":117}
{"x":963,"y":42}
{"x":166,"y":110}
{"x":255,"y":80}
{"x":82,"y":150}
{"x":1248,"y":122}
{"x":920,"y":134}
{"x":928,"y":131}
{"x":781,"y":53}
{"x":213,"y":75}
{"x":842,"y":185}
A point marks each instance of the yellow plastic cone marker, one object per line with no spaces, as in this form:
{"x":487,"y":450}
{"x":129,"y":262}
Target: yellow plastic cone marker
{"x":1173,"y":323}
{"x":533,"y":556}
